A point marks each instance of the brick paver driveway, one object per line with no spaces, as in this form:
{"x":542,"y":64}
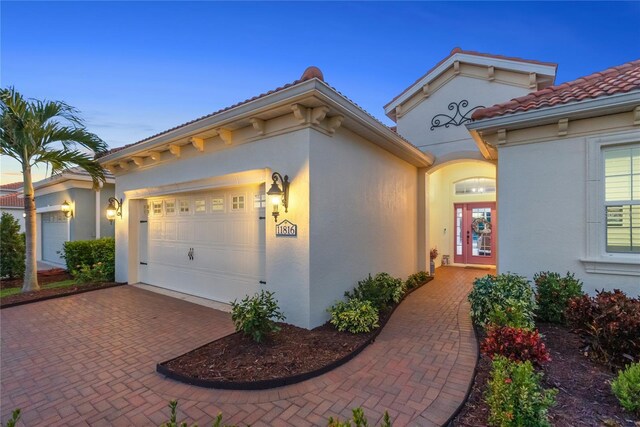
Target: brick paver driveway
{"x":90,"y":359}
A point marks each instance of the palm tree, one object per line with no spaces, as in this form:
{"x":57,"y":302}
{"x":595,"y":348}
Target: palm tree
{"x":44,"y":132}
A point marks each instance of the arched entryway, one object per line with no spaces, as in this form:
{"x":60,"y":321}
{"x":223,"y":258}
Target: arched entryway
{"x":462,"y":212}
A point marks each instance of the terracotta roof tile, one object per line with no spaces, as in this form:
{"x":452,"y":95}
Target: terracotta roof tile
{"x":474,"y":53}
{"x":621,"y":79}
{"x":11,"y":201}
{"x":11,"y":186}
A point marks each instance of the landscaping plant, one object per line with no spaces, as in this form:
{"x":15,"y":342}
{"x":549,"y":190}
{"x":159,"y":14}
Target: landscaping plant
{"x":89,"y":253}
{"x":382,"y":290}
{"x":254,"y":316}
{"x":553,"y":293}
{"x":11,"y":247}
{"x":515,"y":396}
{"x":15,"y":416}
{"x":626,"y":387}
{"x":515,"y":344}
{"x":416,"y":279}
{"x":513,"y":312}
{"x":610,"y":325}
{"x":95,"y":273}
{"x":500,"y":293}
{"x":354,"y":315}
{"x":359,"y":420}
{"x":173,"y":406}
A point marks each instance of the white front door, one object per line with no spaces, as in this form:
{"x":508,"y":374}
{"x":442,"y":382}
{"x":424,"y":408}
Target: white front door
{"x":209,"y":244}
{"x":55,"y":231}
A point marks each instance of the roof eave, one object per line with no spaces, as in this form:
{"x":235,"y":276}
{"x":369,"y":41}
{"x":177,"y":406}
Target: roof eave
{"x":611,"y":104}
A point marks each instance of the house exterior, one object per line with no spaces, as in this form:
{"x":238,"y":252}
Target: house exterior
{"x":85,"y":221}
{"x":11,"y":203}
{"x":362,"y":198}
{"x":569,"y":178}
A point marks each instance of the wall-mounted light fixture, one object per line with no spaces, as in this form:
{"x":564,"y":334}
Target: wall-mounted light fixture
{"x":114,"y":209}
{"x":66,"y":209}
{"x":279,"y":194}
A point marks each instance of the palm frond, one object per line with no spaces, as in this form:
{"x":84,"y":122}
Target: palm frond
{"x":65,"y":159}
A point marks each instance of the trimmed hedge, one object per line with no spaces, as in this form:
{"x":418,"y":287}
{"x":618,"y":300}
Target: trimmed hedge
{"x":89,"y":252}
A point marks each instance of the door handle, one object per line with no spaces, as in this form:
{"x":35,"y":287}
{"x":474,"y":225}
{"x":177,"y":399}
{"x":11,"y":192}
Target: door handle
{"x":190,"y":254}
{"x":468,"y":236}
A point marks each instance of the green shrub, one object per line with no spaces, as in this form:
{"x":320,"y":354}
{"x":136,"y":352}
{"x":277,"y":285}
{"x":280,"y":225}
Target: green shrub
{"x":81,"y":253}
{"x":499,"y":293}
{"x":95,"y":273}
{"x":12,"y":247}
{"x":355,"y":316}
{"x":553,"y":293}
{"x":626,"y":387}
{"x":416,"y":279}
{"x":15,"y":416}
{"x":610,"y":323}
{"x":515,"y":396}
{"x":381,"y":290}
{"x":254,"y":315}
{"x":359,"y":420}
{"x":513,"y":313}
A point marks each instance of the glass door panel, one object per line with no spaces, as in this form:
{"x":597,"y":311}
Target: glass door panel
{"x":475,"y":227}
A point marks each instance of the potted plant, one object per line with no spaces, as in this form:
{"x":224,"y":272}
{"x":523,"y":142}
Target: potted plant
{"x":433,"y":254}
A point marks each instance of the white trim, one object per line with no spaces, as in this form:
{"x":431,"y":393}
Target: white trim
{"x":45,"y":209}
{"x":597,"y":259}
{"x":488,"y":61}
{"x":97,"y":214}
{"x":63,"y":177}
{"x":606,"y":105}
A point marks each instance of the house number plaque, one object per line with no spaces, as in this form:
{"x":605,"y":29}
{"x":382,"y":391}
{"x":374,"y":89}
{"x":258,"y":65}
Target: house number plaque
{"x":286,"y":229}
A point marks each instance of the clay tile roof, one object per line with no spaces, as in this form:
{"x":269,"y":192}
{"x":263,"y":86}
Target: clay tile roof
{"x":310,"y":73}
{"x":474,"y":53}
{"x":616,"y":80}
{"x":11,"y":201}
{"x":11,"y":186}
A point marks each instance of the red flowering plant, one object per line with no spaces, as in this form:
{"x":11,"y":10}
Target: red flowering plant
{"x":516,"y":344}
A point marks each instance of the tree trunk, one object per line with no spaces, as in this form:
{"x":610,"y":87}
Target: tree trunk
{"x":31,"y":267}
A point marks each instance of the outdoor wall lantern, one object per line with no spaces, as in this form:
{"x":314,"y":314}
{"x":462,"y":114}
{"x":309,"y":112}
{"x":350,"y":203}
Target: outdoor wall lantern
{"x":279,"y":194}
{"x":65,"y":207}
{"x":114,"y":209}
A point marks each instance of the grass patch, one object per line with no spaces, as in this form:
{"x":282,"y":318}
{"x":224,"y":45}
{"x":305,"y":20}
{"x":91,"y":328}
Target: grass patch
{"x":62,"y":284}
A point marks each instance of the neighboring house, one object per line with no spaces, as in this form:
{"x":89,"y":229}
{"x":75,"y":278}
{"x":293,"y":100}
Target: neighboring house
{"x":11,"y":202}
{"x":86,"y":219}
{"x":363,"y":197}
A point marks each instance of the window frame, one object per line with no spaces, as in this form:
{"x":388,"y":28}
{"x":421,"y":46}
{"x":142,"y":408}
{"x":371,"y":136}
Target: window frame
{"x":244,"y":202}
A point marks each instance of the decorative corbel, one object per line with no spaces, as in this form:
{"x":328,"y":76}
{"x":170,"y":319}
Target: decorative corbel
{"x":258,"y":125}
{"x":425,"y":91}
{"x":334,"y":123}
{"x":300,"y":113}
{"x":491,"y":73}
{"x":124,"y":165}
{"x":456,"y":67}
{"x":318,"y":114}
{"x":563,"y":127}
{"x":533,"y":81}
{"x":225,"y":135}
{"x":198,"y":143}
{"x":111,"y":168}
{"x":502,"y":136}
{"x":636,"y":116}
{"x":174,"y":149}
{"x":139,"y":161}
{"x":155,"y":155}
{"x":399,"y":111}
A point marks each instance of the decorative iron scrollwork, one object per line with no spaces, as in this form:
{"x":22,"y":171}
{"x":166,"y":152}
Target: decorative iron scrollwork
{"x":458,"y":118}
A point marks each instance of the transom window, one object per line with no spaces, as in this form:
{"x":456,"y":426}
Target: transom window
{"x":476,"y":186}
{"x":622,"y":198}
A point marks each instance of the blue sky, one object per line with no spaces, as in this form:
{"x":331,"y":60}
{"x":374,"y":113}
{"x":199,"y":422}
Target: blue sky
{"x":137,"y":68}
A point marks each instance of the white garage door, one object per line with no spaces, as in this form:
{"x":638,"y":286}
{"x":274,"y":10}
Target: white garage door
{"x":54,"y":234}
{"x":209,"y":244}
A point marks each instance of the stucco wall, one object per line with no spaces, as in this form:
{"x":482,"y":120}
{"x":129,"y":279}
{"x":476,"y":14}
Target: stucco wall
{"x":83,"y":223}
{"x":363,"y":216}
{"x":442,"y":198}
{"x":415,"y":125}
{"x":542,"y":206}
{"x":106,"y":228}
{"x":287,"y":259}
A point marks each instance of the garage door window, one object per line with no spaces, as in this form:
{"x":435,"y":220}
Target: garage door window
{"x":170,"y":207}
{"x":157,"y":207}
{"x":184,"y":207}
{"x":200,"y":206}
{"x":237,"y":203}
{"x":217,"y":204}
{"x":259,"y":200}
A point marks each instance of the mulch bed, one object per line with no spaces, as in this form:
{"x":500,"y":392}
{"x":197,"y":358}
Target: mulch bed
{"x":44,"y":277}
{"x":235,"y":361}
{"x":584,"y":392}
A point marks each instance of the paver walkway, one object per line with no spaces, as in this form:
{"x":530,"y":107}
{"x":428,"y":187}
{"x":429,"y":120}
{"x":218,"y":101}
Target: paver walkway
{"x":90,"y":359}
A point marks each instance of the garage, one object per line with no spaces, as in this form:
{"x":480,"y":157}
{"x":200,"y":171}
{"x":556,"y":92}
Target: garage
{"x":208,"y":244}
{"x":55,"y":231}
